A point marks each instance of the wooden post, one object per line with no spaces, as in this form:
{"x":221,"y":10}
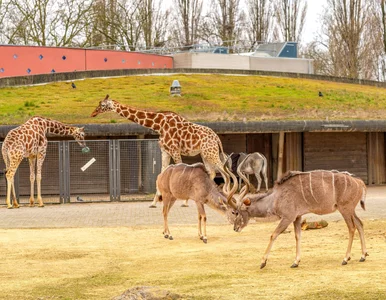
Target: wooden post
{"x":280,"y":155}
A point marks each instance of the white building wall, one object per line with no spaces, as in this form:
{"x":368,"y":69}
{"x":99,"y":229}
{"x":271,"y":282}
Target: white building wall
{"x":292,"y":65}
{"x":239,"y":62}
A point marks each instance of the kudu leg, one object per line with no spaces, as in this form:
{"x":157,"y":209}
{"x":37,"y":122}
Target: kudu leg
{"x":201,"y":218}
{"x":349,"y":219}
{"x":298,"y":232}
{"x":359,"y":225}
{"x":279,"y":229}
{"x":166,"y":208}
{"x":258,"y":181}
{"x":266,"y":181}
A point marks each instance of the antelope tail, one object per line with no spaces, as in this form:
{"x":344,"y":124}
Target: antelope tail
{"x":363,"y":198}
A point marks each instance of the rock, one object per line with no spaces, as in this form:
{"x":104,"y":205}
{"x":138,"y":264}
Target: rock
{"x":147,"y":293}
{"x":314,"y":225}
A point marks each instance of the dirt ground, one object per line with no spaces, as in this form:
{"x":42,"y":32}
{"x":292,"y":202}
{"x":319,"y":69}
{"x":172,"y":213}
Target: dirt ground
{"x":101,"y":262}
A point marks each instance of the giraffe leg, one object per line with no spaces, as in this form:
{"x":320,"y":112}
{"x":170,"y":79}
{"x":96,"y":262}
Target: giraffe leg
{"x":39,"y":178}
{"x":32,"y":162}
{"x":165,"y":163}
{"x":9,"y":189}
{"x":10,"y":183}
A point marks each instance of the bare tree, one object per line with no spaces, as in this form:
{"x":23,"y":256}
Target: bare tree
{"x":260,"y":16}
{"x":70,"y":19}
{"x":224,"y":23}
{"x":381,"y":12}
{"x":187,"y":18}
{"x":155,"y":22}
{"x":290,"y":16}
{"x":345,"y":24}
{"x":3,"y":17}
{"x":350,"y":43}
{"x":127,"y":24}
{"x":47,"y":22}
{"x":101,"y":32}
{"x":31,"y":21}
{"x":119,"y":27}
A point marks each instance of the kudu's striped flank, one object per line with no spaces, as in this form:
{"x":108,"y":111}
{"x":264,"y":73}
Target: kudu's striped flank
{"x":297,"y":193}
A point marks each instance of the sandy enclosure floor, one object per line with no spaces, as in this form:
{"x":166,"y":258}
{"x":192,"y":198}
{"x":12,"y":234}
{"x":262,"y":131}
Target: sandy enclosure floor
{"x":99,"y":250}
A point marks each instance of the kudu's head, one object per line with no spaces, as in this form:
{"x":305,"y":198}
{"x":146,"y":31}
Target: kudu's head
{"x":234,"y":211}
{"x":104,"y":106}
{"x":240,"y":211}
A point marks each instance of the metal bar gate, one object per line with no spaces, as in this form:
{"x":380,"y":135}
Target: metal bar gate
{"x":113,"y":170}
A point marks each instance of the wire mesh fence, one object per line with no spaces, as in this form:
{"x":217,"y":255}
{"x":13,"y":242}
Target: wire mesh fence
{"x":113,"y":170}
{"x":138,"y":164}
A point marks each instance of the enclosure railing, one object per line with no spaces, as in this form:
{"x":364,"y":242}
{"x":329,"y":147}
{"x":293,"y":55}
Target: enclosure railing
{"x":113,"y":170}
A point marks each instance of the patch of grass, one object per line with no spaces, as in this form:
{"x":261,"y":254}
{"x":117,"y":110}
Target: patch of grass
{"x":29,"y":104}
{"x":257,"y":97}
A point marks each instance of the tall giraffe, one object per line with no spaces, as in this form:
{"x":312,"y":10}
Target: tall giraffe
{"x":29,"y":141}
{"x":178,"y":136}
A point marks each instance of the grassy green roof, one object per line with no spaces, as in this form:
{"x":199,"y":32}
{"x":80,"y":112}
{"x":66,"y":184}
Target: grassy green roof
{"x":204,"y":98}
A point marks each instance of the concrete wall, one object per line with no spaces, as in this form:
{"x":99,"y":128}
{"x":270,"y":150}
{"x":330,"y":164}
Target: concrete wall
{"x":277,"y":64}
{"x":239,"y":62}
{"x":33,"y":60}
{"x":219,"y":61}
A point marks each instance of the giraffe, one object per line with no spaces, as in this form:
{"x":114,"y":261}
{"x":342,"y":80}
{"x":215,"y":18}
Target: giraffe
{"x":29,"y":141}
{"x":178,"y":137}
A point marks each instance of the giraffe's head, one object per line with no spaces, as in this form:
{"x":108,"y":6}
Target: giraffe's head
{"x":79,"y":135}
{"x":105,"y":105}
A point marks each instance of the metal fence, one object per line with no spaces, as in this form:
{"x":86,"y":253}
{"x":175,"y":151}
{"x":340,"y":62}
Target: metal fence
{"x":119,"y":170}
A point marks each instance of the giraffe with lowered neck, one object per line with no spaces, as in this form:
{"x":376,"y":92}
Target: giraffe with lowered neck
{"x":178,"y":136}
{"x":29,"y":141}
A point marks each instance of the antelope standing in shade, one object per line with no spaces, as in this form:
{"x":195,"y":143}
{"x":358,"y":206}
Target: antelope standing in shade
{"x":184,"y":182}
{"x":297,"y":193}
{"x":252,"y":164}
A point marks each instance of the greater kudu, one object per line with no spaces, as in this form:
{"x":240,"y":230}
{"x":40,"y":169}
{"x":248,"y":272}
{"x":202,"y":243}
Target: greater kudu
{"x":297,"y":193}
{"x":182,"y":181}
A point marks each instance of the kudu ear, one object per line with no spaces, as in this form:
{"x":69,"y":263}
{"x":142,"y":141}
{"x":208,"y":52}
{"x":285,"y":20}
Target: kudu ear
{"x":247,"y":202}
{"x":222,"y":202}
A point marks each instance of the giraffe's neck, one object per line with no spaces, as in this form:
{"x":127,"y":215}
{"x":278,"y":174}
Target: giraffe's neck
{"x":147,"y":119}
{"x":59,"y":128}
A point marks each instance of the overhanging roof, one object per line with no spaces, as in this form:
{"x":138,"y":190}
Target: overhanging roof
{"x":125,"y":129}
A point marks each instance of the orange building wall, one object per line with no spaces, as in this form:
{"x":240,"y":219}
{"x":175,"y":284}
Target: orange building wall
{"x":33,"y":60}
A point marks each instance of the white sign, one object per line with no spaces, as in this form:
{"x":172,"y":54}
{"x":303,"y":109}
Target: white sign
{"x":90,"y":162}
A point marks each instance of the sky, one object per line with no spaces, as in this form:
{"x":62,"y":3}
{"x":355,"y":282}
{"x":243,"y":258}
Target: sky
{"x":312,"y":23}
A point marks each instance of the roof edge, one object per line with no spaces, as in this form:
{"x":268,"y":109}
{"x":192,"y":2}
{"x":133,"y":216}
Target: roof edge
{"x":127,"y":129}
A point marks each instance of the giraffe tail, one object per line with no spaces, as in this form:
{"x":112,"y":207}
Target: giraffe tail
{"x":6,"y":161}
